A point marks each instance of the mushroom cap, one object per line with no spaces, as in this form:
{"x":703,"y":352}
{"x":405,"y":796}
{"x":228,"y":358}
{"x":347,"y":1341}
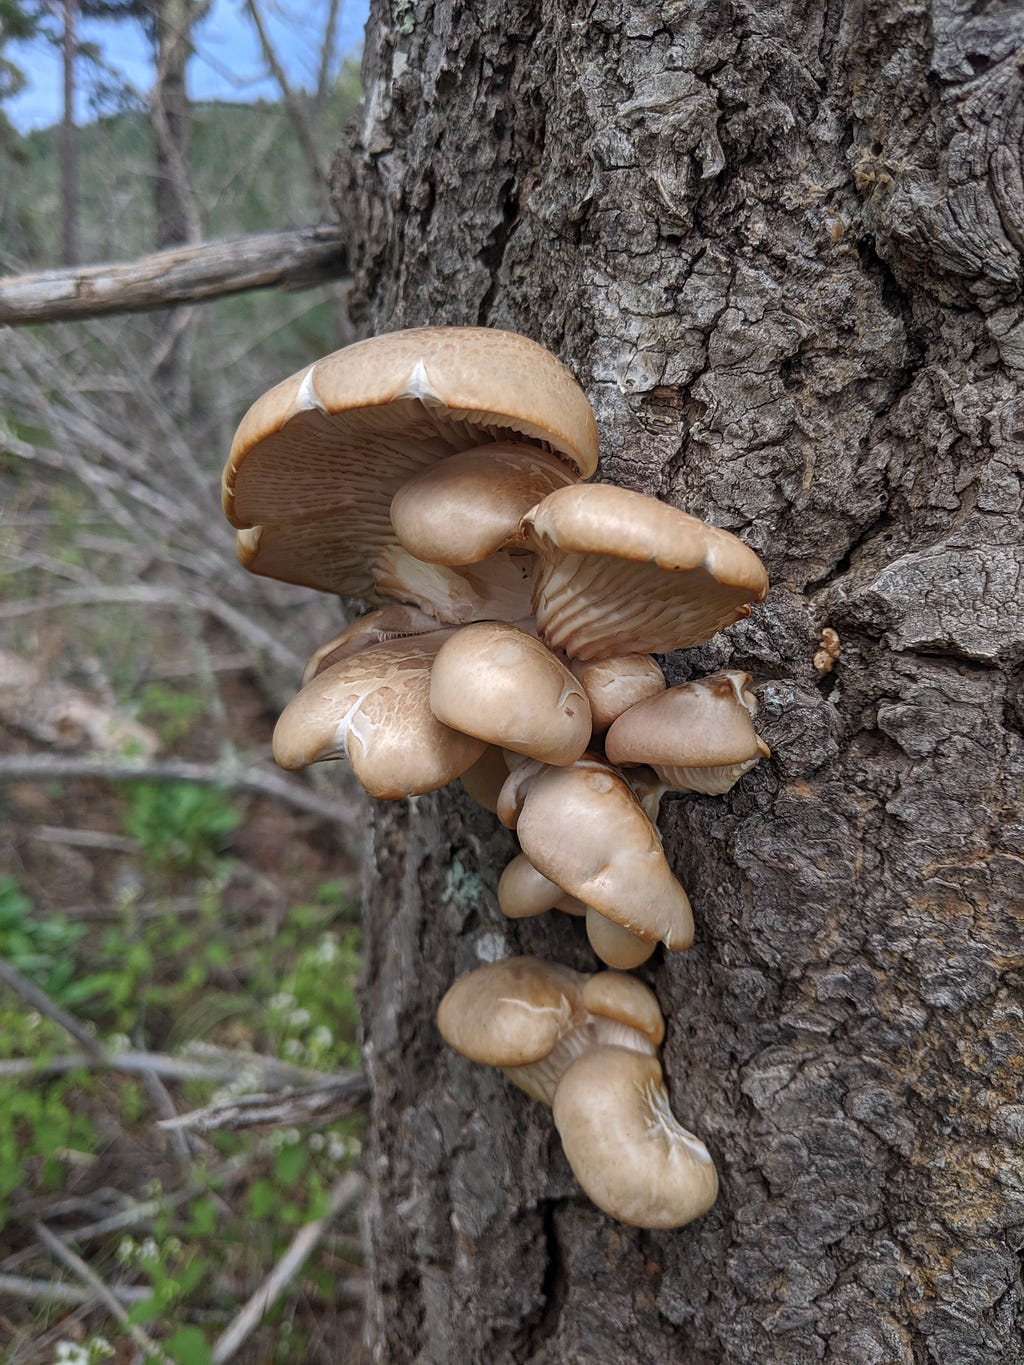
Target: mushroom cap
{"x":621,"y":573}
{"x":317,"y":460}
{"x":469,"y":506}
{"x":583,"y":828}
{"x":614,"y":685}
{"x":625,"y":1000}
{"x":510,"y":1013}
{"x":699,"y":735}
{"x":496,"y":682}
{"x":485,"y":779}
{"x":626,"y":1149}
{"x":524,"y":892}
{"x":374,"y":628}
{"x":374,"y":709}
{"x":614,"y":944}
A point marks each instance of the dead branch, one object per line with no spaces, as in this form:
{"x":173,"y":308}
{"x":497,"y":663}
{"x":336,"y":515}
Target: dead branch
{"x":259,"y":781}
{"x":335,"y":1098}
{"x":294,"y":258}
{"x":54,"y":1291}
{"x":36,"y":997}
{"x":344,"y":1194}
{"x":221,"y":1065}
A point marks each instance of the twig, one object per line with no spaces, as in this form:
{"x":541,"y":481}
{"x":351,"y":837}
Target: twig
{"x":144,"y":594}
{"x":85,"y":838}
{"x":343,"y":1195}
{"x":67,"y":1293}
{"x":334,"y":1099}
{"x":42,"y":767}
{"x":265,"y":1069}
{"x":74,"y":1262}
{"x":36,"y":997}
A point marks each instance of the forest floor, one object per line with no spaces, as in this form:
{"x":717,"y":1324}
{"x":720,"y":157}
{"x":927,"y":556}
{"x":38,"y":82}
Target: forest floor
{"x":217,"y":929}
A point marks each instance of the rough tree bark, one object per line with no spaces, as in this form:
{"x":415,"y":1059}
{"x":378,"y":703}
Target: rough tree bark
{"x":780,"y":245}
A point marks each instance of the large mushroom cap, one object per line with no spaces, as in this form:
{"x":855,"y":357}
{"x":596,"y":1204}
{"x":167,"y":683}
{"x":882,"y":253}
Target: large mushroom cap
{"x":620,"y":573}
{"x":625,"y":1147}
{"x":584,"y":829}
{"x":316,"y":461}
{"x":510,"y":1013}
{"x":498,"y":683}
{"x":698,"y":736}
{"x":374,"y":709}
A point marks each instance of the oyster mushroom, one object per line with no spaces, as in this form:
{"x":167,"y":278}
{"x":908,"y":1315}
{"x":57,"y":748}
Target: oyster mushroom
{"x":373,"y":708}
{"x":583,"y":828}
{"x":620,"y":573}
{"x":317,"y":460}
{"x":502,"y":685}
{"x":587,"y":1046}
{"x":698,"y":736}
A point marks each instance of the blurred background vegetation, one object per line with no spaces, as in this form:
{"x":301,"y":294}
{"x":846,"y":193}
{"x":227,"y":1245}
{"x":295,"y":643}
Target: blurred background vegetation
{"x":178,"y":941}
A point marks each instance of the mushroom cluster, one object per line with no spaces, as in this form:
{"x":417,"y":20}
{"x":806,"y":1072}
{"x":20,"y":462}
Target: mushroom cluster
{"x":587,"y":1047}
{"x":439,"y":474}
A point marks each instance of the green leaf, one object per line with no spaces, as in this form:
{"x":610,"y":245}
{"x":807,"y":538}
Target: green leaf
{"x":188,"y":1346}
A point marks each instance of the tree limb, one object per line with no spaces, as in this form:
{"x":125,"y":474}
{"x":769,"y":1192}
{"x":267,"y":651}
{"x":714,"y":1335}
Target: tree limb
{"x":294,"y":258}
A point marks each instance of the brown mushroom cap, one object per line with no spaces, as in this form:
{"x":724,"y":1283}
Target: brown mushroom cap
{"x":515,"y":1014}
{"x":469,"y":506}
{"x":524,"y":892}
{"x":374,"y":709}
{"x":496,"y":682}
{"x":625,"y":1147}
{"x":376,"y":627}
{"x":583,"y":828}
{"x":485,"y":779}
{"x":698,"y":736}
{"x":316,"y":462}
{"x":625,"y":1000}
{"x":620,"y":573}
{"x":614,"y":685}
{"x":614,"y":944}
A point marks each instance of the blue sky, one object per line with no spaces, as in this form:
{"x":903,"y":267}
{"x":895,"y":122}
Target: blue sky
{"x":227,"y":64}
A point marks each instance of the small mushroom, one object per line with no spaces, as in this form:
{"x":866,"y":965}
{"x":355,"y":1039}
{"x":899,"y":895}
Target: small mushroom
{"x":485,"y":779}
{"x":614,"y":943}
{"x":496,"y":682}
{"x":524,"y":892}
{"x":375,"y":628}
{"x":698,"y":736}
{"x":373,"y":708}
{"x":469,"y":506}
{"x":614,"y":685}
{"x":626,"y":1148}
{"x":620,"y":573}
{"x":583,"y":828}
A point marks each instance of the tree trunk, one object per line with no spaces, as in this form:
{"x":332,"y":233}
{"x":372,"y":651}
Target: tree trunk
{"x":69,"y":140}
{"x":174,"y":205}
{"x":779,"y":245}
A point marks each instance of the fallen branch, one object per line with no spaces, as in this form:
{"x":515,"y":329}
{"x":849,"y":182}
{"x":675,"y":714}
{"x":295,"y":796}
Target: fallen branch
{"x":57,"y":1292}
{"x":265,"y":1070}
{"x":39,"y":1000}
{"x":260,"y":781}
{"x":343,"y":1195}
{"x":335,"y":1099}
{"x":292,"y":259}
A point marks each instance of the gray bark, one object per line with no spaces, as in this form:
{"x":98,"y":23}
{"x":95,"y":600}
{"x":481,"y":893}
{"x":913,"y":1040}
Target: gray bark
{"x":780,"y":246}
